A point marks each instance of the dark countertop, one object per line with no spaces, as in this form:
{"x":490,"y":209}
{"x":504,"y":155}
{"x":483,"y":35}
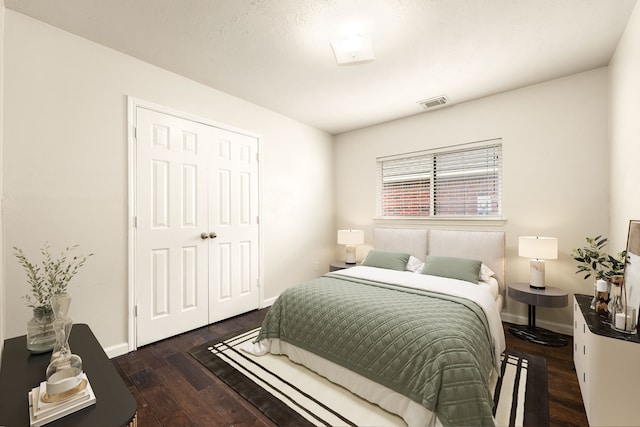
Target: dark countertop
{"x":600,"y":324}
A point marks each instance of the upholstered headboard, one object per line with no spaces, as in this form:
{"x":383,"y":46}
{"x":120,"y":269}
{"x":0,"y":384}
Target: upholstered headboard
{"x":486,"y":246}
{"x":409,"y":240}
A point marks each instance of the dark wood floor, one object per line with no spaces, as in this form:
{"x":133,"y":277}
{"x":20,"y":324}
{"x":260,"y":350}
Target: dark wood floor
{"x":565,"y":401}
{"x":173,"y":389}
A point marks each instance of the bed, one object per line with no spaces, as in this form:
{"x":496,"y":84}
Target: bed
{"x":422,"y":346}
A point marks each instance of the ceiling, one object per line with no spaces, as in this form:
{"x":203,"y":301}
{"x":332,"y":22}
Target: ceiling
{"x":277,"y":53}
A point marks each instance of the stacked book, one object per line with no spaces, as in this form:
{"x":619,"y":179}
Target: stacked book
{"x":44,"y":408}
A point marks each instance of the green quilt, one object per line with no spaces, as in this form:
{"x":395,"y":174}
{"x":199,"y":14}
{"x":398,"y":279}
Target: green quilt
{"x":433,"y":348}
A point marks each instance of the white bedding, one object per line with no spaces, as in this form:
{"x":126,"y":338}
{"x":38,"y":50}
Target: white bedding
{"x":413,"y":414}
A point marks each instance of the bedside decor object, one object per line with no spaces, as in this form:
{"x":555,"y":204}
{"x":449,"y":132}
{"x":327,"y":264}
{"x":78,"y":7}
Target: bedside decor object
{"x":623,"y":316}
{"x":593,"y":260}
{"x":67,"y":387}
{"x":615,"y":303}
{"x":625,"y":321}
{"x":48,"y":279}
{"x":64,"y":374}
{"x":350,"y":238}
{"x":602,"y":297}
{"x":60,"y":307}
{"x":45,"y":408}
{"x":537,"y":249}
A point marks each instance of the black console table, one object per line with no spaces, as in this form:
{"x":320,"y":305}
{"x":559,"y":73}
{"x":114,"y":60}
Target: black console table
{"x":22,"y":371}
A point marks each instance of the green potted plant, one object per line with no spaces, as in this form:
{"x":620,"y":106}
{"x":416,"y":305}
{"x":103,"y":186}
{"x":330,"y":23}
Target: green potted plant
{"x":47,"y":280}
{"x":594,"y":261}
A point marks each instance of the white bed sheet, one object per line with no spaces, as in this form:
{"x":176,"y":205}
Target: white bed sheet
{"x":492,"y":284}
{"x":412,"y":413}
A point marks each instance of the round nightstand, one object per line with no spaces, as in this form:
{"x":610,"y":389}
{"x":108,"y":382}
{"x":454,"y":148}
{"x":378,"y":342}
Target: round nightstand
{"x":547,"y":297}
{"x":341,"y":265}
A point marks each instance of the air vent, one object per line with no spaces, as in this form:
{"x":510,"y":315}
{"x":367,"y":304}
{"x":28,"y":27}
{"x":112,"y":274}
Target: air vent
{"x":430,"y":103}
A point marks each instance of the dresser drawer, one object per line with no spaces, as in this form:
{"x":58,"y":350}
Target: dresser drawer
{"x":607,"y":368}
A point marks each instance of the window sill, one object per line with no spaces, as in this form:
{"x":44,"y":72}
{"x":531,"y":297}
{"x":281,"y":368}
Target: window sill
{"x":491,"y":222}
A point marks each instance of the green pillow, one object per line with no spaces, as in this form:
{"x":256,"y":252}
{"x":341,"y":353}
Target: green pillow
{"x":386,"y":259}
{"x":452,"y":267}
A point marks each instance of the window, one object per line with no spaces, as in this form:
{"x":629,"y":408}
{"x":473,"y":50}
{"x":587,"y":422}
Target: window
{"x":460,"y":181}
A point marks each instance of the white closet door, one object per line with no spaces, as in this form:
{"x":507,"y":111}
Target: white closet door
{"x":196,"y":203}
{"x":171,"y":257}
{"x":233,"y":216}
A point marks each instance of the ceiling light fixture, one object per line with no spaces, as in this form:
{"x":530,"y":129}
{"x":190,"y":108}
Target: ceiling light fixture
{"x":354,"y":48}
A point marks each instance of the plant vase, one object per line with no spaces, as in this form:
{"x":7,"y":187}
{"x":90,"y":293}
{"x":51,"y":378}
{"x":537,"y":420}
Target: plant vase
{"x":41,"y":335}
{"x":48,"y":281}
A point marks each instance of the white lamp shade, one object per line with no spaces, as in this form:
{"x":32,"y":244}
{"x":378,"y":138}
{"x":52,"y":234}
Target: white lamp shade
{"x":535,"y":247}
{"x":350,"y":237}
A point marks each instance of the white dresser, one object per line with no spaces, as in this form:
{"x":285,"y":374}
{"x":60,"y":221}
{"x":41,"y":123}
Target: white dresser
{"x":608,"y":368}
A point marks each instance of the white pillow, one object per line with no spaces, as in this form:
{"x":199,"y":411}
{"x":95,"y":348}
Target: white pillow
{"x":414,"y":264}
{"x":485,"y":273}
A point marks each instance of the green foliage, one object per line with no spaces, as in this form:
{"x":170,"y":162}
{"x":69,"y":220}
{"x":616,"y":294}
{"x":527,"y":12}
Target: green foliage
{"x":594,"y":260}
{"x":51,"y":277}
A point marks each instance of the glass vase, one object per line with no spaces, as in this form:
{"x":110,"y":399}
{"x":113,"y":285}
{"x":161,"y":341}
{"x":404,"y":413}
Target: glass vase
{"x":624,"y":320}
{"x":64,"y":373}
{"x":41,"y":336}
{"x":615,"y":296}
{"x":592,"y":306}
{"x":615,"y":305}
{"x":60,"y":306}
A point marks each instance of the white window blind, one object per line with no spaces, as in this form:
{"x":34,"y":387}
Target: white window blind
{"x":465,"y":180}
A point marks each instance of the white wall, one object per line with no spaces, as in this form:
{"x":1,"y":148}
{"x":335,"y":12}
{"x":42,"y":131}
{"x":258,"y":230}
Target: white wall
{"x":65,"y":169}
{"x":624,"y":71}
{"x":555,"y":160}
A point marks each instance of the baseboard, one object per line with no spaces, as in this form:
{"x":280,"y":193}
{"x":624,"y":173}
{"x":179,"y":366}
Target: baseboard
{"x":117,"y":350}
{"x":268,"y":302}
{"x":560,"y":328}
{"x":123,"y":348}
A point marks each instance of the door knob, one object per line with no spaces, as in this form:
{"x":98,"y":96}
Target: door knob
{"x":212,"y":235}
{"x":204,"y":235}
